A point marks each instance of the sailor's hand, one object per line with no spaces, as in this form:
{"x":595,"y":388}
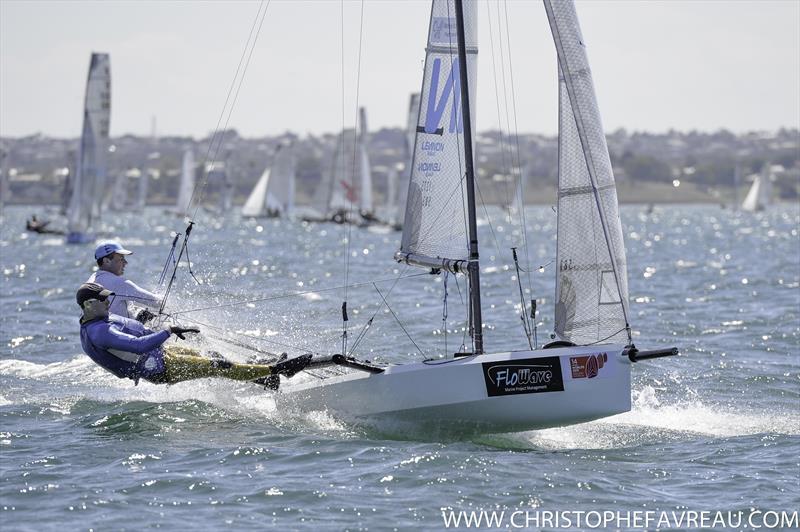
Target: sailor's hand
{"x":180,"y":331}
{"x":144,"y":316}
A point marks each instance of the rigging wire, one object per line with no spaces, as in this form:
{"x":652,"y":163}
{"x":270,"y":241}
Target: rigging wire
{"x":461,"y":171}
{"x":282,"y":344}
{"x":503,"y":162}
{"x":250,"y":44}
{"x":295,"y":294}
{"x":348,"y":230}
{"x":524,"y":224}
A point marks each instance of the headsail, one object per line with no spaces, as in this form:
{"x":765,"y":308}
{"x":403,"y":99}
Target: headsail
{"x":254,"y":206}
{"x":591,"y":280}
{"x":435,"y":226}
{"x":273,"y":195}
{"x":89,"y":183}
{"x":759,"y":196}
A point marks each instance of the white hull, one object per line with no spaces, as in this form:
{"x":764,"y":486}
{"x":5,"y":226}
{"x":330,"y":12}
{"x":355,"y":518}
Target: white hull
{"x":460,"y":395}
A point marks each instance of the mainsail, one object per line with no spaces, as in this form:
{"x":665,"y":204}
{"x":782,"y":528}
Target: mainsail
{"x":591,"y":276}
{"x":186,"y":187}
{"x":89,"y":182}
{"x":435,"y":226}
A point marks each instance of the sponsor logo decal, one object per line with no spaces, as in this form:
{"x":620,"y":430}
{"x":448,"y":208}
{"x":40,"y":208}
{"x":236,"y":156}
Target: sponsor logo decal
{"x":587,"y":367}
{"x":436,"y":108}
{"x":532,"y":375}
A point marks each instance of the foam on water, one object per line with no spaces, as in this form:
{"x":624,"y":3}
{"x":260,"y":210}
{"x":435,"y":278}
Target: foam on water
{"x":80,"y":374}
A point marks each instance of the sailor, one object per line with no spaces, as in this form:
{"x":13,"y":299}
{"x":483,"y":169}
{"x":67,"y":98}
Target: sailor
{"x":128,"y":349}
{"x":111,"y":262}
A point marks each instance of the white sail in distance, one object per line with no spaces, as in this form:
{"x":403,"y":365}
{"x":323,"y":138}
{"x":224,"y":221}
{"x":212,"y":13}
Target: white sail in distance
{"x":141,"y":190}
{"x":5,"y":188}
{"x":591,"y":276}
{"x":435,"y":227}
{"x":759,"y":197}
{"x":186,"y":186}
{"x":89,"y":183}
{"x":398,"y":206}
{"x":273,"y":194}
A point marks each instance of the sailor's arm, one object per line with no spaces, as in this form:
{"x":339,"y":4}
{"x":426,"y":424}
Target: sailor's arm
{"x":112,"y":338}
{"x":136,"y":294}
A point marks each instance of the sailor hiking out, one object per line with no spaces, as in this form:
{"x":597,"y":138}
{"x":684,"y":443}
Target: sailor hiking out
{"x":128,"y":349}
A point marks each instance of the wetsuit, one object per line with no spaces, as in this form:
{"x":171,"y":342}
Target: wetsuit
{"x":125,"y":347}
{"x":128,"y":349}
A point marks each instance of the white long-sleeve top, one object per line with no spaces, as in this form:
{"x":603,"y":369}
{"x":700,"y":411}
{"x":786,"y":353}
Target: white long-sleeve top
{"x":125,"y":291}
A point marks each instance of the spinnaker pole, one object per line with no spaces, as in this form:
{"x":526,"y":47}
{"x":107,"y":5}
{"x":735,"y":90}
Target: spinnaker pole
{"x":474,"y":270}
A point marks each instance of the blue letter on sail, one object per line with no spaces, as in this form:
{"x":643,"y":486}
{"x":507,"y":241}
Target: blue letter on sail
{"x":436,"y":108}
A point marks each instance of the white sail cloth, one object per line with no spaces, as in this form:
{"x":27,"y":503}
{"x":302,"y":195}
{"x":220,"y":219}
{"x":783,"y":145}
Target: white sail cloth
{"x":186,"y":186}
{"x":89,"y":185}
{"x":591,"y":278}
{"x":759,"y":197}
{"x":274,"y":192}
{"x":435,"y":229}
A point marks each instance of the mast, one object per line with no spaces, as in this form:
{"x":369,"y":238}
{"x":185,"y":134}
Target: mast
{"x":474,"y":270}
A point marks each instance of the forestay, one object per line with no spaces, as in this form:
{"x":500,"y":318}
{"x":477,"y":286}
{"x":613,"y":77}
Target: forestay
{"x":89,"y":185}
{"x":591,"y":280}
{"x":435,"y":230}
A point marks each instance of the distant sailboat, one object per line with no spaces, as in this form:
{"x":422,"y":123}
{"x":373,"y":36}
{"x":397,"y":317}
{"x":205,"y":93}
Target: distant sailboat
{"x":90,"y":178}
{"x":345,"y":193}
{"x":273,"y":195}
{"x":5,"y":188}
{"x":398,"y":208}
{"x":186,"y":186}
{"x":760,"y":195}
{"x":142,"y":185}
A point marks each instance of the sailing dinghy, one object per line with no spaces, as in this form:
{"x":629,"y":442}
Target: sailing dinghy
{"x":345,"y":194}
{"x":586,"y":373}
{"x":89,"y":184}
{"x":759,"y":197}
{"x":273,"y":195}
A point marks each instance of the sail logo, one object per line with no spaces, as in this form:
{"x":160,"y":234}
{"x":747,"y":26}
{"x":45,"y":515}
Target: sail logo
{"x":438,"y":106}
{"x":588,"y":367}
{"x":534,"y":375}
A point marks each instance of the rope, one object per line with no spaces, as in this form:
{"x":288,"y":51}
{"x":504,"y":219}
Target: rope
{"x":523,"y":220}
{"x":196,"y":197}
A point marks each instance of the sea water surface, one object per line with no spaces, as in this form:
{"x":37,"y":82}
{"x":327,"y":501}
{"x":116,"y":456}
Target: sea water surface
{"x":717,"y":428}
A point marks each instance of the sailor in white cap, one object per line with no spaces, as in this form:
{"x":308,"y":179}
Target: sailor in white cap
{"x":111,"y":262}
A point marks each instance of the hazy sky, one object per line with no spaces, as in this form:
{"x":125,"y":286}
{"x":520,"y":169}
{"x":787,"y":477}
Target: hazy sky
{"x":657,"y":64}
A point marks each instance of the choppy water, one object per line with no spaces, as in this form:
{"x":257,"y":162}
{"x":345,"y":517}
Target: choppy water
{"x":716,"y":428}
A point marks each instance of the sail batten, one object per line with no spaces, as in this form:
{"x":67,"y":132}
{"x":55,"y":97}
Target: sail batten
{"x":591,"y":281}
{"x":435,"y":223}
